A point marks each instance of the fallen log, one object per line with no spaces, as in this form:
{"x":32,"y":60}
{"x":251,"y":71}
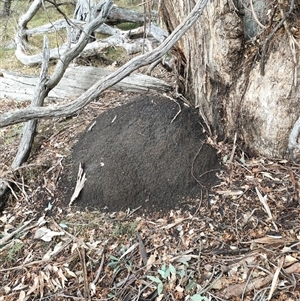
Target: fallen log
{"x":133,"y":41}
{"x":20,"y":87}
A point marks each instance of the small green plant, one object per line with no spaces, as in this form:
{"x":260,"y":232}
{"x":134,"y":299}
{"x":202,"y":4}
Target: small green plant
{"x":198,"y":297}
{"x":116,"y":264}
{"x":125,"y":229}
{"x":159,"y":283}
{"x":191,"y":285}
{"x":14,"y":252}
{"x":167,"y":272}
{"x":169,"y":275}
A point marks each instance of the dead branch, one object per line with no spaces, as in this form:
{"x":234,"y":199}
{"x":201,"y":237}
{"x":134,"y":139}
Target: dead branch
{"x":45,"y":85}
{"x":84,"y":13}
{"x":20,"y":87}
{"x":103,"y":84}
{"x":21,"y":37}
{"x":37,"y":101}
{"x":118,"y":38}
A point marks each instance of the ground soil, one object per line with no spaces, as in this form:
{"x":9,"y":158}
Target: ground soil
{"x":229,"y":247}
{"x":151,"y":152}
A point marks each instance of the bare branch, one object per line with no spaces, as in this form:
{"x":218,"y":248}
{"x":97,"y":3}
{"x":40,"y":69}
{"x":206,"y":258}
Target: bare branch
{"x":95,"y":91}
{"x":63,"y":53}
{"x":37,"y":101}
{"x":21,"y":87}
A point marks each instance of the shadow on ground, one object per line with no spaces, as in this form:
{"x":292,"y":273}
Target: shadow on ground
{"x":150,"y":152}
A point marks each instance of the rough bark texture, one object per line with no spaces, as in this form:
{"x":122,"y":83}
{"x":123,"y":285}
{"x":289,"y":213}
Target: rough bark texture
{"x":221,"y":62}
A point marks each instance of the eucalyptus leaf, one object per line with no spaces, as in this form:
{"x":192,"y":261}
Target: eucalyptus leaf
{"x":160,"y":288}
{"x":154,"y":279}
{"x":172,"y":269}
{"x":198,"y":297}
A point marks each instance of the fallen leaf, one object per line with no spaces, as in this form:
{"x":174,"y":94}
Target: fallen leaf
{"x":46,"y":234}
{"x":21,"y":296}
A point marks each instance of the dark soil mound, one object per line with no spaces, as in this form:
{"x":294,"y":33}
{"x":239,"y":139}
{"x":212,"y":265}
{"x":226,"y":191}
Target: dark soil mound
{"x":135,"y":156}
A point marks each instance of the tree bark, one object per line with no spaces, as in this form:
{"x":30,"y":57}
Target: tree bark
{"x":221,"y":63}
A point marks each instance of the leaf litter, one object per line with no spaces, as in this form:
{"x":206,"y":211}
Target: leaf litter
{"x":240,"y":242}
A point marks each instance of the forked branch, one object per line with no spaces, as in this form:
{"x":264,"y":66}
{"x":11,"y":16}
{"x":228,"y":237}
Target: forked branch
{"x":103,"y":84}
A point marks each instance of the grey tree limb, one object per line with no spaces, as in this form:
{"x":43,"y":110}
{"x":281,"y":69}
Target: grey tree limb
{"x":21,"y":36}
{"x":116,"y":15}
{"x":63,"y":53}
{"x":46,"y":84}
{"x":127,"y":39}
{"x":37,"y":101}
{"x":21,"y":87}
{"x":110,"y":80}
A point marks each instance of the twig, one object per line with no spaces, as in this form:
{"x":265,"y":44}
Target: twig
{"x":275,"y":277}
{"x":179,"y":111}
{"x":142,"y":249}
{"x":247,"y":282}
{"x":110,"y":80}
{"x":233,"y":149}
{"x":192,"y":168}
{"x":141,"y":291}
{"x":255,"y":16}
{"x":263,"y":200}
{"x":99,"y":269}
{"x":129,"y":250}
{"x":200,"y":203}
{"x":81,"y":254}
{"x":152,"y":66}
{"x":204,"y":173}
{"x":12,"y":234}
{"x":134,"y":210}
{"x":72,"y":297}
{"x":211,"y":284}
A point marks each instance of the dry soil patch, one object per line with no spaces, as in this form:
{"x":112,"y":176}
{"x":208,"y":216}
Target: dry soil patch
{"x":150,"y":152}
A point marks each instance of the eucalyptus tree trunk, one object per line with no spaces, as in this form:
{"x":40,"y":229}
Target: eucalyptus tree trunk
{"x":239,"y":66}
